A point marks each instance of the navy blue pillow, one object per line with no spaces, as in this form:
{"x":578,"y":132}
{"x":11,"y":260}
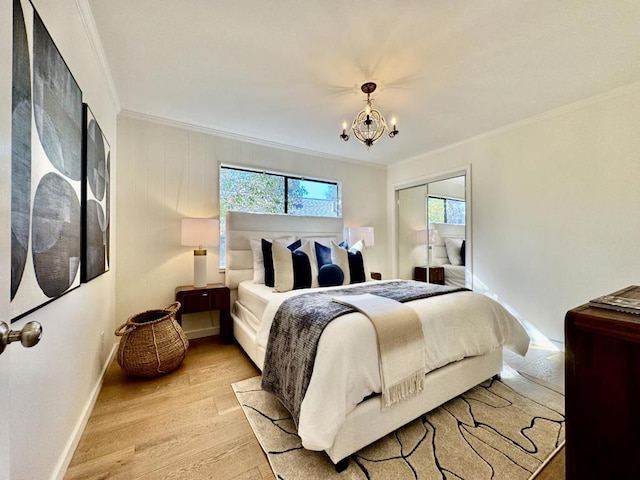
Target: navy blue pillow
{"x":330,"y":275}
{"x":323,"y":254}
{"x":356,"y":267}
{"x":269,"y":276}
{"x":301,"y":270}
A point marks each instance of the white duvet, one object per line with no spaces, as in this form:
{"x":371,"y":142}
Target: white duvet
{"x":455,"y":326}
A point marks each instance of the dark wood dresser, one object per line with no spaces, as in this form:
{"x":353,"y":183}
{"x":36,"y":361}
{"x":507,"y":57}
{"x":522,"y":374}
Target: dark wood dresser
{"x":602,"y":370}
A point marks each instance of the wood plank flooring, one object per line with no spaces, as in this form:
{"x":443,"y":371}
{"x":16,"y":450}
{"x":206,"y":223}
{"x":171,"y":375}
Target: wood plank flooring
{"x":184,"y":425}
{"x":189,"y":425}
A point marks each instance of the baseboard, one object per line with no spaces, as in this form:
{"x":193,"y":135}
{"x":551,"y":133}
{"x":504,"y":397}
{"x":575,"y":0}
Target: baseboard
{"x":61,"y":468}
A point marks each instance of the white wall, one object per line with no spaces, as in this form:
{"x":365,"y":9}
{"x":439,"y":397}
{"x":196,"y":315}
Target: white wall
{"x":51,"y":385}
{"x":555,"y":205}
{"x":167,"y":172}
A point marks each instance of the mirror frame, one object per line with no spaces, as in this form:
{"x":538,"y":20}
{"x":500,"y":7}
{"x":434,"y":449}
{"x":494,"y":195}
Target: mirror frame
{"x":425,"y":180}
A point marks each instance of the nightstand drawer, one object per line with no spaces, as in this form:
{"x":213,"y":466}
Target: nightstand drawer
{"x":193,"y":302}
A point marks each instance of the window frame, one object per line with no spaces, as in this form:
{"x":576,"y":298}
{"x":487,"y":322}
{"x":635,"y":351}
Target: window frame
{"x":446,"y":199}
{"x":287,"y":177}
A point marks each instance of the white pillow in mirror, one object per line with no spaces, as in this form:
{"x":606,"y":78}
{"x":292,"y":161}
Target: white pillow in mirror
{"x":453,"y":246}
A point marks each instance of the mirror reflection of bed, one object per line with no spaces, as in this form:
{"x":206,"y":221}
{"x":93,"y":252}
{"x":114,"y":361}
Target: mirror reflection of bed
{"x":433,"y":231}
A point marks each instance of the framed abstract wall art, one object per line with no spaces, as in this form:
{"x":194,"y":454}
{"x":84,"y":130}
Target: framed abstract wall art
{"x":96,"y":164}
{"x":46,"y":168}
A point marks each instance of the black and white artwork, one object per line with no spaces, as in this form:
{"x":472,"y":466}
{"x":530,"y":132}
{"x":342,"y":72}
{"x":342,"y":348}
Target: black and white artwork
{"x":46,"y":168}
{"x":95,"y":196}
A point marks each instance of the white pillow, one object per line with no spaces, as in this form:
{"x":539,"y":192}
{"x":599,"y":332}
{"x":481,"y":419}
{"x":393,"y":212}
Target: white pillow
{"x":309,"y":248}
{"x":340,"y":257}
{"x":258,"y":257}
{"x":282,"y":268}
{"x":453,"y":246}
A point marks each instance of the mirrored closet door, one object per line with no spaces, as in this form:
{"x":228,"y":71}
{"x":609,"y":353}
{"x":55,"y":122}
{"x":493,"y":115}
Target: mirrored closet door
{"x":433,"y":231}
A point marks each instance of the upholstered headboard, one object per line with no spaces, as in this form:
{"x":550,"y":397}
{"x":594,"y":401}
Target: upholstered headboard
{"x":438,"y":250}
{"x":242,"y":226}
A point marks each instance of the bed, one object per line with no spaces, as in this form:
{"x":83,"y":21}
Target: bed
{"x":448,"y":251}
{"x":340,"y":413}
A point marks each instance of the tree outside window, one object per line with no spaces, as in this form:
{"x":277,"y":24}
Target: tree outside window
{"x":445,"y":210}
{"x":243,"y":190}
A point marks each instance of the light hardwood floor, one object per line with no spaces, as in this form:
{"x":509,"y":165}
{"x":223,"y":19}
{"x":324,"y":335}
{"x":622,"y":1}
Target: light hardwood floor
{"x":189,"y":425}
{"x":183,"y":425}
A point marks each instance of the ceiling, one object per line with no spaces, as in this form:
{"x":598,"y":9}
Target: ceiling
{"x":288,"y":72}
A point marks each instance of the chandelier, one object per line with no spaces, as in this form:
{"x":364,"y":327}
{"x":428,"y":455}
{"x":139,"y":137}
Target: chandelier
{"x":369,"y":125}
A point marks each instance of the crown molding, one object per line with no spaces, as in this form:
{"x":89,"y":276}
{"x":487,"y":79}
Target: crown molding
{"x":243,"y":138}
{"x":556,"y":112}
{"x":96,"y":45}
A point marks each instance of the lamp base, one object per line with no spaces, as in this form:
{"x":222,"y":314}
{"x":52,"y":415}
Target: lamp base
{"x":199,"y":268}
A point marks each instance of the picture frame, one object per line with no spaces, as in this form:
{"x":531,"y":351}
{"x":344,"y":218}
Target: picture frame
{"x":96,"y":197}
{"x":46,"y":168}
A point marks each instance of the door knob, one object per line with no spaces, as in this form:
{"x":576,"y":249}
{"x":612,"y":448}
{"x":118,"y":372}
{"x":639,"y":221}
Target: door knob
{"x":29,"y":335}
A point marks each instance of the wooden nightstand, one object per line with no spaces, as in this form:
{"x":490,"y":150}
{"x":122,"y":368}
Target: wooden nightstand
{"x":420,"y":274}
{"x":215,"y":296}
{"x":436,"y":275}
{"x":429,"y":274}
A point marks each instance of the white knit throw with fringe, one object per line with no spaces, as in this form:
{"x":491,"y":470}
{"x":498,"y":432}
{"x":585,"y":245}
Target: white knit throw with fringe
{"x":401,"y":350}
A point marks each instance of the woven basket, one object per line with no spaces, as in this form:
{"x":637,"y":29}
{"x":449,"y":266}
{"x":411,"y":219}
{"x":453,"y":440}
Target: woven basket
{"x":152,"y":343}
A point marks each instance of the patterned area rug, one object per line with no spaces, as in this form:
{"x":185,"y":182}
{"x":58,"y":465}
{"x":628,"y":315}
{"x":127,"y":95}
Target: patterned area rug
{"x":502,"y":429}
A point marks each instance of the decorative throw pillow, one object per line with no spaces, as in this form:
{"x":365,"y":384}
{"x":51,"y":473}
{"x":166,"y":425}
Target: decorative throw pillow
{"x":309,"y":250}
{"x":463,"y":252}
{"x":330,"y":275}
{"x":267,"y":255}
{"x":323,"y":253}
{"x":453,"y":250}
{"x":258,"y":258}
{"x":358,"y":266}
{"x":292,"y":270}
{"x":340,"y":257}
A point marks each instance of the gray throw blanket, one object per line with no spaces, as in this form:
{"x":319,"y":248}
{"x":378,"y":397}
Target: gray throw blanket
{"x":298,"y":324}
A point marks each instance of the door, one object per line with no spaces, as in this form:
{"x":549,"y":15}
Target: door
{"x":412,"y":224}
{"x":29,"y":336}
{"x":4,"y":418}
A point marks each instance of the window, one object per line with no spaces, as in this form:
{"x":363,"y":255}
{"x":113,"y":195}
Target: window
{"x":244,"y":190}
{"x":445,"y":210}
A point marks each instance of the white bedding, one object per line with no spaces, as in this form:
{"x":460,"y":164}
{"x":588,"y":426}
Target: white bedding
{"x":255,"y":297}
{"x":454,"y":275}
{"x":478,"y":326}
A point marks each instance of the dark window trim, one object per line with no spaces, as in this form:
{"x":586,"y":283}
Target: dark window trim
{"x":445,"y":199}
{"x":286,"y":180}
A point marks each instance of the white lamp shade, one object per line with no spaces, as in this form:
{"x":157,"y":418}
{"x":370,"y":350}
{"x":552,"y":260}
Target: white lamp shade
{"x":422,"y":236}
{"x":200,"y":232}
{"x":355,"y":234}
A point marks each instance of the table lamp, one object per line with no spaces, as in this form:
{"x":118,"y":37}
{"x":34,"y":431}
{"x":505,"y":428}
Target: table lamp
{"x":199,"y":232}
{"x":360,"y":233}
